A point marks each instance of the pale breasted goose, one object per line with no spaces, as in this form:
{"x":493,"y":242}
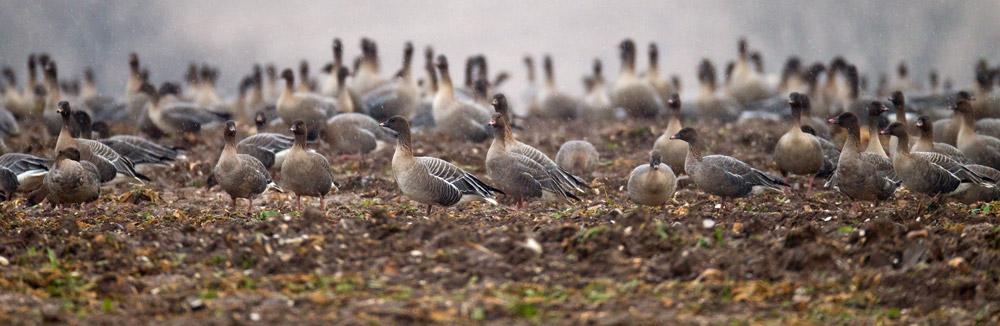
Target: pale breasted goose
{"x":304,"y":172}
{"x":518,"y":175}
{"x":432,"y":181}
{"x":981,"y":149}
{"x":596,"y":102}
{"x":798,"y":152}
{"x":240,"y":175}
{"x":457,"y":118}
{"x":722,"y":175}
{"x":18,"y":103}
{"x":331,"y":84}
{"x":553,"y":104}
{"x":674,"y":150}
{"x":635,"y":95}
{"x":662,"y":86}
{"x":366,"y":76}
{"x":398,"y":97}
{"x":746,"y":84}
{"x":530,"y":94}
{"x":652,"y":184}
{"x":20,"y":173}
{"x":72,"y":180}
{"x":862,"y":175}
{"x":831,"y":154}
{"x":579,"y":157}
{"x":925,"y":143}
{"x":709,"y":104}
{"x":311,"y":108}
{"x":929,"y":173}
{"x":875,"y":110}
{"x":109,"y":163}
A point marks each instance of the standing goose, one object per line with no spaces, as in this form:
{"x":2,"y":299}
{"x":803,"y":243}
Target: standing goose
{"x":394,"y":98}
{"x":108,"y":162}
{"x":819,"y":126}
{"x":457,"y":118}
{"x":305,"y":83}
{"x":798,"y":152}
{"x":746,"y":85}
{"x":981,"y":149}
{"x":565,"y":179}
{"x":331,"y":84}
{"x":177,"y":117}
{"x":899,"y":104}
{"x":579,"y":157}
{"x":530,"y":93}
{"x":722,"y":175}
{"x":240,"y":175}
{"x":311,"y":108}
{"x":663,"y":87}
{"x":710,"y":105}
{"x":635,"y":95}
{"x":20,"y":105}
{"x":875,"y":110}
{"x":674,"y":150}
{"x":554,"y":104}
{"x":831,"y":154}
{"x":926,"y":142}
{"x":306,"y":173}
{"x":596,"y":103}
{"x":355,"y":133}
{"x":270,"y":149}
{"x":652,"y":184}
{"x":928,"y":173}
{"x":366,"y":75}
{"x":946,"y":130}
{"x":432,"y":181}
{"x":134,"y":81}
{"x":862,"y":175}
{"x":20,"y":173}
{"x":518,"y":175}
{"x":71,"y":180}
{"x":139,"y":150}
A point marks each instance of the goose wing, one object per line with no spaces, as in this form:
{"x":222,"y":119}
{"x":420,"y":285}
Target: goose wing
{"x":464,"y":182}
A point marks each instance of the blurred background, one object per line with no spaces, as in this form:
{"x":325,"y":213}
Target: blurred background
{"x":947,"y":35}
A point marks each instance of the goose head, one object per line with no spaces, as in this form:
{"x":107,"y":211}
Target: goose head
{"x":897,"y":99}
{"x":895,"y":129}
{"x":500,"y":104}
{"x":229,"y":132}
{"x":846,"y":120}
{"x":64,"y":110}
{"x":397,"y":124}
{"x":69,"y":153}
{"x":654,"y":159}
{"x":687,"y":134}
{"x":674,"y":102}
{"x":298,"y":127}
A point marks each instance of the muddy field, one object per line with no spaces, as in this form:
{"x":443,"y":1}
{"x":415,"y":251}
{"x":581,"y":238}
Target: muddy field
{"x":170,"y":252}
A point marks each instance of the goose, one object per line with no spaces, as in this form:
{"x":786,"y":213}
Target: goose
{"x":928,"y":173}
{"x":72,"y":180}
{"x":311,"y":108}
{"x":652,"y":184}
{"x":178,"y":117}
{"x":635,"y":95}
{"x":20,"y":105}
{"x":192,"y":83}
{"x":305,"y":83}
{"x":565,"y":179}
{"x":875,"y":110}
{"x":988,"y":127}
{"x":722,"y":175}
{"x":831,"y":154}
{"x":432,"y":181}
{"x":578,"y":157}
{"x":398,"y":97}
{"x":255,"y":100}
{"x":899,"y":105}
{"x":30,"y":88}
{"x":792,"y":77}
{"x":240,"y":175}
{"x":674,"y":150}
{"x":105,"y":108}
{"x":935,"y":84}
{"x":366,"y":75}
{"x":355,"y":133}
{"x":271,"y":89}
{"x":663,"y":87}
{"x":305,"y":173}
{"x":270,"y":149}
{"x":596,"y":103}
{"x":982,"y":150}
{"x":820,"y":127}
{"x":423,"y":116}
{"x":112,"y":166}
{"x":946,"y":130}
{"x":926,"y":142}
{"x":518,"y":175}
{"x":798,"y":152}
{"x":21,"y":172}
{"x":134,"y":81}
{"x":553,"y":104}
{"x":331,"y":85}
{"x":206,"y":95}
{"x":746,"y":85}
{"x":139,"y":150}
{"x":862,"y":175}
{"x":530,"y":94}
{"x":53,"y":121}
{"x":987,"y":104}
{"x":903,"y":83}
{"x":457,"y":118}
{"x":8,"y":124}
{"x":710,"y":105}
{"x":979,"y":193}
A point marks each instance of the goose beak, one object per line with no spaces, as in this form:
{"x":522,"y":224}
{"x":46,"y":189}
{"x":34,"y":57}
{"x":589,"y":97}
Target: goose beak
{"x":832,"y":121}
{"x":493,"y":122}
{"x":674,"y":137}
{"x":883,"y":132}
{"x":920,"y":124}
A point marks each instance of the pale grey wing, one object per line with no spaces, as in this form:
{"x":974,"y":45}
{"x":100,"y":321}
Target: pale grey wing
{"x":128,"y":150}
{"x":264,"y":146}
{"x":375,"y":101}
{"x":991,"y":175}
{"x":544,"y":176}
{"x":959,"y":170}
{"x":8,"y":124}
{"x":566,"y":179}
{"x":20,"y":162}
{"x":122,"y":165}
{"x":255,"y":172}
{"x":883,"y":167}
{"x":189,"y":118}
{"x":952,"y":152}
{"x":749,"y":174}
{"x":148,"y":146}
{"x":465,"y":182}
{"x":320,"y":105}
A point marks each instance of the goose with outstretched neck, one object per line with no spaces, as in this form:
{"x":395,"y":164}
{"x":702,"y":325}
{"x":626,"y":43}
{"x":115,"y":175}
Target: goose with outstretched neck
{"x":981,"y":149}
{"x":306,"y":173}
{"x":432,"y":181}
{"x":520,"y":176}
{"x":553,"y":104}
{"x":459,"y":119}
{"x":331,"y":85}
{"x":240,"y":175}
{"x":709,"y":104}
{"x":798,"y":152}
{"x":652,"y":184}
{"x":366,"y":75}
{"x":875,"y":110}
{"x":928,"y":173}
{"x":635,"y":95}
{"x":311,"y":108}
{"x":674,"y":150}
{"x":925,"y":143}
{"x":899,"y":105}
{"x":662,"y":86}
{"x":596,"y":103}
{"x":108,"y":162}
{"x":722,"y":175}
{"x":946,"y":130}
{"x":399,"y":97}
{"x":862,"y":175}
{"x":72,"y":180}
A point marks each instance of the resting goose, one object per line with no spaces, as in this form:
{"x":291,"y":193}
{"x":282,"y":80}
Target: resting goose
{"x":722,"y":175}
{"x":662,"y":86}
{"x":553,"y":104}
{"x":206,"y":95}
{"x":428,"y":180}
{"x":398,"y":97}
{"x":980,"y":193}
{"x":457,"y":118}
{"x":20,"y":173}
{"x":579,"y":157}
{"x":709,"y":105}
{"x":635,"y":95}
{"x":139,"y":150}
{"x":982,"y":150}
{"x":928,"y":173}
{"x":177,"y":117}
{"x":674,"y":150}
{"x":240,"y":175}
{"x":270,"y":149}
{"x":875,"y":110}
{"x":518,"y":175}
{"x":72,"y":180}
{"x":564,"y":178}
{"x":304,"y":172}
{"x":652,"y":184}
{"x":899,"y":105}
{"x":311,"y":108}
{"x":596,"y":103}
{"x":926,"y":142}
{"x":108,"y":162}
{"x":798,"y":152}
{"x":831,"y":154}
{"x":862,"y":175}
{"x":355,"y":133}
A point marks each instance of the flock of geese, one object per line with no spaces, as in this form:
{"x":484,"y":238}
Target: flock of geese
{"x":356,"y":109}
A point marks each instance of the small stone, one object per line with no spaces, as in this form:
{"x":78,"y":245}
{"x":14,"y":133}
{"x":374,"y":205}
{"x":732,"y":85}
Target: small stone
{"x":416,"y":253}
{"x":254,"y":316}
{"x":4,"y":261}
{"x":918,"y":233}
{"x":708,"y":223}
{"x":196,"y":304}
{"x":958,"y":263}
{"x":737,"y":227}
{"x":710,"y":275}
{"x":50,"y":312}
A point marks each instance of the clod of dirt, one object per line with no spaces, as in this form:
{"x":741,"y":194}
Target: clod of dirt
{"x":958,"y":263}
{"x":138,"y":196}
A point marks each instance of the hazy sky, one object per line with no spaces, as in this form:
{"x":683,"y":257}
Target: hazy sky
{"x":949,"y":35}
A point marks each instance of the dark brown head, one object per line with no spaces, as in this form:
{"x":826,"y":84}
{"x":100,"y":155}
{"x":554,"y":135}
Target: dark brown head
{"x":148,"y":89}
{"x":741,"y":47}
{"x":963,"y":104}
{"x":847,"y":120}
{"x":547,"y":66}
{"x":674,"y":102}
{"x":133,"y":61}
{"x":70,"y":153}
{"x":397,"y":124}
{"x":876,"y":108}
{"x":597,"y":68}
{"x":342,"y":74}
{"x":897,"y":99}
{"x":902,"y":70}
{"x":43,"y":59}
{"x":408,"y":51}
{"x":925,"y":125}
{"x":965,"y":96}
{"x":298,"y":127}
{"x":934,"y":79}
{"x":687,"y":134}
{"x":304,"y":70}
{"x":442,"y":63}
{"x":32,"y":64}
{"x":8,"y":74}
{"x":812,"y":74}
{"x":654,"y":53}
{"x":758,"y":61}
{"x":82,"y":118}
{"x":191,"y":76}
{"x":654,"y":159}
{"x":498,"y":122}
{"x":429,"y":55}
{"x":64,"y":110}
{"x":627,"y":51}
{"x":338,"y":50}
{"x":229,"y":132}
{"x":51,"y":71}
{"x":808,"y":129}
{"x":271,"y":71}
{"x":795,"y":100}
{"x":706,"y":73}
{"x":259,"y":119}
{"x":288,"y":76}
{"x":88,"y":75}
{"x":895,"y":129}
{"x":170,"y":88}
{"x":528,"y":61}
{"x":500,"y":104}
